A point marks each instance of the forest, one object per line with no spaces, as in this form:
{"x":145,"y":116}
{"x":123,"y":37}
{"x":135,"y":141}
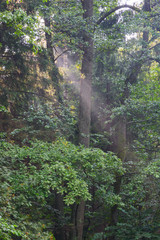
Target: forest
{"x":79,"y":120}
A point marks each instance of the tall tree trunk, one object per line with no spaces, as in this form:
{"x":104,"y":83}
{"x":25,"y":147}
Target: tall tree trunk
{"x":146,"y":8}
{"x":60,"y":232}
{"x":54,"y":72}
{"x":120,"y":150}
{"x":72,"y":234}
{"x":80,"y":220}
{"x":86,"y":78}
{"x":120,"y":142}
{"x":85,"y":100}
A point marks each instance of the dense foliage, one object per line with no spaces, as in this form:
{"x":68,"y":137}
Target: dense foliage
{"x":79,"y":120}
{"x":31,"y":176}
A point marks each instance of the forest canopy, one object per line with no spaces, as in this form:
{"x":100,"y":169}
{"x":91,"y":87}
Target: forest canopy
{"x":79,"y":120}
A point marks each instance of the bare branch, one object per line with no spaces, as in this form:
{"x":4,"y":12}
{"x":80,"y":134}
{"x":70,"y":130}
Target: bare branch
{"x":158,"y":44}
{"x":32,"y":93}
{"x":154,"y":59}
{"x":115,"y":9}
{"x":61,"y":54}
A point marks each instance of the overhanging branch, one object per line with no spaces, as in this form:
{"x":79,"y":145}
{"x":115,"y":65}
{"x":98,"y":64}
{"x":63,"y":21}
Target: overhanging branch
{"x":61,"y":54}
{"x":158,"y":44}
{"x":154,"y":59}
{"x":115,"y":9}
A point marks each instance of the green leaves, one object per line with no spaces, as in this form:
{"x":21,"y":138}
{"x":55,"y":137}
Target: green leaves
{"x":31,"y":174}
{"x":154,"y":169}
{"x":24,"y":25}
{"x":63,"y":167}
{"x":7,"y":231}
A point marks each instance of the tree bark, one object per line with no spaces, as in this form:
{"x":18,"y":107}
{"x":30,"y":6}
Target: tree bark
{"x":54,"y":72}
{"x":85,"y":99}
{"x":120,"y":138}
{"x":60,"y":232}
{"x":120,"y":150}
{"x":80,"y":220}
{"x":72,"y":234}
{"x":86,"y":77}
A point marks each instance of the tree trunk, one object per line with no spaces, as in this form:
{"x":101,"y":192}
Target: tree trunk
{"x":60,"y":232}
{"x":86,"y":77}
{"x":120,"y":150}
{"x":120,"y":138}
{"x":54,"y":72}
{"x":72,"y":234}
{"x":85,"y":99}
{"x":80,"y":220}
{"x":146,"y":8}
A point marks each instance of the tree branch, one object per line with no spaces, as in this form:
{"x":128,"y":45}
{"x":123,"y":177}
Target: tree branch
{"x":32,"y":93}
{"x":158,"y":44}
{"x":115,"y":9}
{"x":61,"y":54}
{"x":154,"y":59}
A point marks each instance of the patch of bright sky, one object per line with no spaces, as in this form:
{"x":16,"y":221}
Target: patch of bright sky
{"x":130,"y":2}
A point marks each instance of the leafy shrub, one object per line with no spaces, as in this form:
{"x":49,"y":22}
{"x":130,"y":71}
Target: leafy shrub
{"x":31,"y":176}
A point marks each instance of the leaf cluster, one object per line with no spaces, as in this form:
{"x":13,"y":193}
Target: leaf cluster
{"x":31,"y":174}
